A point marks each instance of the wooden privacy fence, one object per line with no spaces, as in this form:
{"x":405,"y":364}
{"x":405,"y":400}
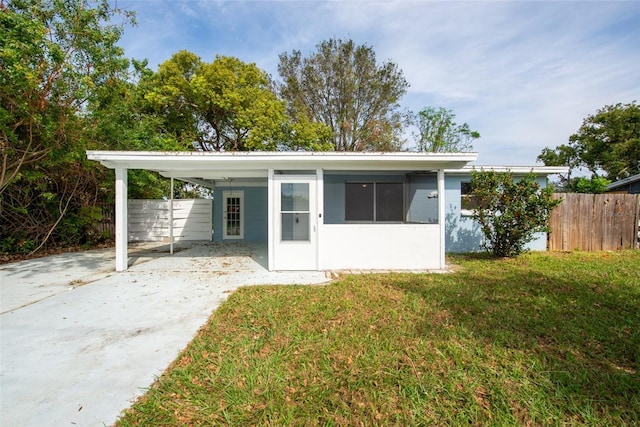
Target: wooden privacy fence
{"x":106,"y":227}
{"x":595,"y":222}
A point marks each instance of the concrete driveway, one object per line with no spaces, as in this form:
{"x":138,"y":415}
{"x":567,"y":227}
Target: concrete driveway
{"x":79,"y":342}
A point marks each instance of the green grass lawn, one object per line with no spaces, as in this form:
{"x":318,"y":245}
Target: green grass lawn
{"x":543,"y":339}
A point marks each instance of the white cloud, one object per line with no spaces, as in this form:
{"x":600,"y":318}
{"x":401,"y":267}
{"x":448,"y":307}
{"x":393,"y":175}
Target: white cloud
{"x":524,"y":74}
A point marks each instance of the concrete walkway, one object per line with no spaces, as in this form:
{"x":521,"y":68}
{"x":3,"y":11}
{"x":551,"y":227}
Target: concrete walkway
{"x":79,"y":342}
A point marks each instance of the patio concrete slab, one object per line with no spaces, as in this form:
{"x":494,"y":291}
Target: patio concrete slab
{"x":82,"y":342}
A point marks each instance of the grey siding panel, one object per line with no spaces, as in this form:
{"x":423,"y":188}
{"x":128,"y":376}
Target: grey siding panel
{"x":423,"y":199}
{"x":334,"y":199}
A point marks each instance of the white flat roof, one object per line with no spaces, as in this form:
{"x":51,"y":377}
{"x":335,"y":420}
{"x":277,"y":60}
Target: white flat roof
{"x":255,"y":164}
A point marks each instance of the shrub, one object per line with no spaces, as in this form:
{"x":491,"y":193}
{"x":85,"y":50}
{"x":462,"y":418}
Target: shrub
{"x":510,"y":212}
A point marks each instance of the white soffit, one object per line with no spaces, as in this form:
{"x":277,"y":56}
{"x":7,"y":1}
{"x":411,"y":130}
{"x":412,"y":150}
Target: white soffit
{"x":213,"y":165}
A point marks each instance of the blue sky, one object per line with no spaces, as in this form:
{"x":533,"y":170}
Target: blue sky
{"x":524,"y":74}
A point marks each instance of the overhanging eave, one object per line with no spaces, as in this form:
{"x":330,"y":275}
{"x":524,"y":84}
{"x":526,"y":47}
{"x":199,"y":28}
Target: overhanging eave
{"x":215,"y":166}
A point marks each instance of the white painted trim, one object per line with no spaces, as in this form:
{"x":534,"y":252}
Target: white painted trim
{"x":441,"y":217}
{"x":516,"y":170}
{"x":252,"y":165}
{"x":291,"y":255}
{"x":270,"y":220}
{"x":171,"y":218}
{"x":122,"y":257}
{"x":319,"y":215}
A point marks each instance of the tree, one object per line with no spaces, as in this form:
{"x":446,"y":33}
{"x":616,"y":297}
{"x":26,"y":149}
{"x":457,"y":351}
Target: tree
{"x":607,"y":142}
{"x":593,"y":185}
{"x":438,"y":132}
{"x":223,"y":105}
{"x":122,"y":119}
{"x":510,"y":212}
{"x":53,"y":56}
{"x":341,"y":86}
{"x":563,"y":155}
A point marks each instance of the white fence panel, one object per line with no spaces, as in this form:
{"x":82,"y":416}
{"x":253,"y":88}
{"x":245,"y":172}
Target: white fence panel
{"x":149,"y":220}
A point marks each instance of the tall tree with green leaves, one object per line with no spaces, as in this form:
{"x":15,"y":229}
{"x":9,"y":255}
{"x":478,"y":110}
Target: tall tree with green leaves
{"x":122,"y":119}
{"x":343,"y":87}
{"x":225,"y":105}
{"x":607,"y":144}
{"x":438,"y":132}
{"x":53,"y":56}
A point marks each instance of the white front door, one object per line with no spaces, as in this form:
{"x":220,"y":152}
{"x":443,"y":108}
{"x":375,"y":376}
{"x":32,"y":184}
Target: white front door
{"x":233,"y":215}
{"x":295,"y":223}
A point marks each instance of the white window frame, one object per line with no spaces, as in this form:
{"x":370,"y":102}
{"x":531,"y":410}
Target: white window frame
{"x":225,"y":196}
{"x":465,"y":212}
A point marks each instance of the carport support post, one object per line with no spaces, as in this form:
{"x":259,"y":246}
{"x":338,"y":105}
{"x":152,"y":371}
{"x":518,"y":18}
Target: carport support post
{"x":171,"y":218}
{"x":122,"y":260}
{"x":441,"y":218}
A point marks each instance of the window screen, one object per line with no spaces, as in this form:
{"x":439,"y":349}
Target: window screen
{"x":294,"y":211}
{"x":358,"y":201}
{"x":374,"y":201}
{"x":389,"y":201}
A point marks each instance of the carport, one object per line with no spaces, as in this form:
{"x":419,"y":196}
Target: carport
{"x":322,"y":210}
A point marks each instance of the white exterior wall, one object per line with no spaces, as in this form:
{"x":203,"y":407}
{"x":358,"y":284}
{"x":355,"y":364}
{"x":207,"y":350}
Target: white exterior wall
{"x":148,"y":220}
{"x":380,"y":247}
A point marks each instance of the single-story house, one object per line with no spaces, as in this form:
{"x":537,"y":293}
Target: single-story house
{"x":326,"y":210}
{"x":629,"y":185}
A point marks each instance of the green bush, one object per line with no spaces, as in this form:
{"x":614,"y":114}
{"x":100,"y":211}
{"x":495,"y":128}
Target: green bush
{"x":595,"y":185}
{"x":510,"y":212}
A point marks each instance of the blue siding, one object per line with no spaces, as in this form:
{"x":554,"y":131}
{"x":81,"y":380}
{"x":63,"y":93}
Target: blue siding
{"x":255,"y":213}
{"x":462,"y":233}
{"x":422,"y":199}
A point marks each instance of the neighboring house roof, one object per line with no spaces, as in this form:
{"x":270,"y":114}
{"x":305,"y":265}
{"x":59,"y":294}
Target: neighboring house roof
{"x":623,"y":182}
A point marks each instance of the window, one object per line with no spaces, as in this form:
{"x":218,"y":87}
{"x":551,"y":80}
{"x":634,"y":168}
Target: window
{"x":467,"y":202}
{"x":233,"y":215}
{"x":389,"y":202}
{"x":374,"y":201}
{"x":294,"y":211}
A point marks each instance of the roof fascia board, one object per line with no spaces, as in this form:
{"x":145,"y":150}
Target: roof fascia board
{"x":191,"y":161}
{"x":517,"y":170}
